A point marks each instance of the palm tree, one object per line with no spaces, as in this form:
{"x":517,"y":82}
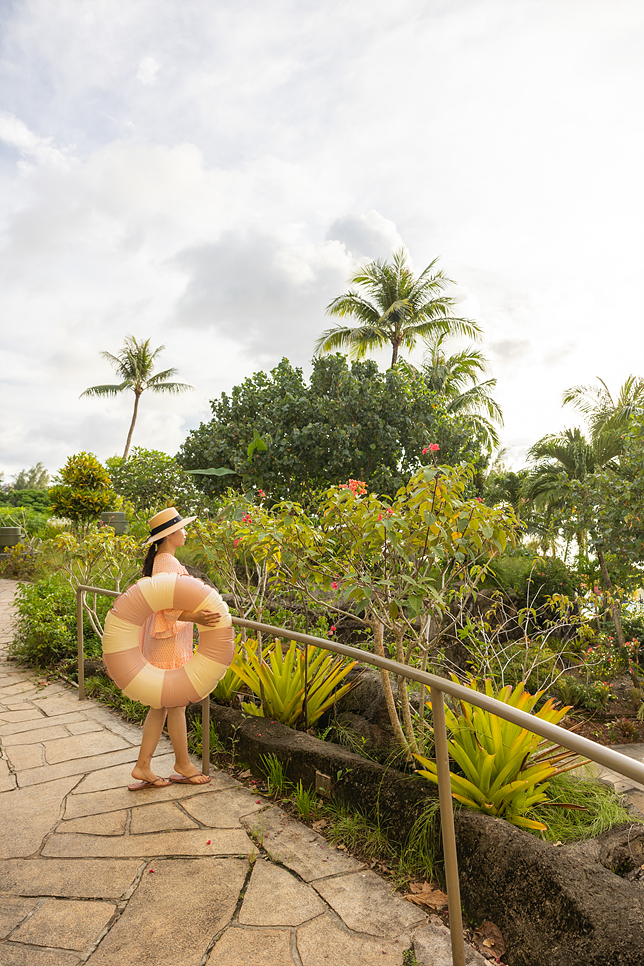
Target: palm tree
{"x":608,"y":418}
{"x":135,"y":366}
{"x":454,"y":377}
{"x":397,"y":308}
{"x":557,"y":460}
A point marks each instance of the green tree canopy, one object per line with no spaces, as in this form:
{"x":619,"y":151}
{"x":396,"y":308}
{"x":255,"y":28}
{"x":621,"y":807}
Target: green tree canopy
{"x":395,"y":307}
{"x":36,"y":478}
{"x":150,"y":479}
{"x":347,"y":422}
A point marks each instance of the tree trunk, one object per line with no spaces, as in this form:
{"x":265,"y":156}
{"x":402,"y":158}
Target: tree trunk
{"x":614,"y":604}
{"x":379,"y":648}
{"x":394,"y":355}
{"x":137,"y":396}
{"x":403,"y":693}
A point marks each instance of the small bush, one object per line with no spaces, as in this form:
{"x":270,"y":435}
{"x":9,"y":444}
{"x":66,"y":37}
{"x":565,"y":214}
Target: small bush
{"x":30,"y":499}
{"x":83,"y":492}
{"x":531,"y":578}
{"x":45,"y":626}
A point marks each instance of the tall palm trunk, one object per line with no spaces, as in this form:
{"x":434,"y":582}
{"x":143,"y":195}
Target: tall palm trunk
{"x":137,"y":396}
{"x":614,"y":605}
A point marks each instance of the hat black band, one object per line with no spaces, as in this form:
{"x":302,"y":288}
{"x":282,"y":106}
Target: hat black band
{"x":164,"y":526}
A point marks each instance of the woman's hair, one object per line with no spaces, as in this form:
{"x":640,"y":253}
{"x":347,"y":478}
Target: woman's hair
{"x":148,"y":563}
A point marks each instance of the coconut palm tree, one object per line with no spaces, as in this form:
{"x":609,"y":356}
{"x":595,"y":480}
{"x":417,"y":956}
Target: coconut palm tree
{"x":607,"y":417}
{"x":454,"y":377}
{"x":134,"y":364}
{"x":396,"y":308}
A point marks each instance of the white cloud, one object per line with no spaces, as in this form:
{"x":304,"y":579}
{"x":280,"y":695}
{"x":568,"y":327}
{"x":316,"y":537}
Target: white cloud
{"x":15,"y":133}
{"x":210,"y":174}
{"x":148,"y":70}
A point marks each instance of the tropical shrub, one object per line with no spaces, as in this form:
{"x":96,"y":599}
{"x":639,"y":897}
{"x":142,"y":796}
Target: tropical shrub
{"x":532,"y":578}
{"x":34,"y":522}
{"x":45,"y":624}
{"x":504,"y":767}
{"x":33,"y":499}
{"x":83,"y":491}
{"x":150,"y":480}
{"x":401,"y":567}
{"x":285,"y":682}
{"x":604,"y":660}
{"x":98,"y":557}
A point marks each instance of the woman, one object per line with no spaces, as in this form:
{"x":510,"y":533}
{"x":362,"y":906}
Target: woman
{"x":166,"y":641}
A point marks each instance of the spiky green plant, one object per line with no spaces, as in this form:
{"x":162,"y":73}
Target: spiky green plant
{"x":279,"y":679}
{"x":505,"y":767}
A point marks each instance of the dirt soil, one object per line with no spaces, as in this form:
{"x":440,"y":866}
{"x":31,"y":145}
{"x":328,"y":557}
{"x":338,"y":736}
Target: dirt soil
{"x":617,"y":724}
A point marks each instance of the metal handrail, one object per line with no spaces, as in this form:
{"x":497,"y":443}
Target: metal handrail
{"x":438,"y":686}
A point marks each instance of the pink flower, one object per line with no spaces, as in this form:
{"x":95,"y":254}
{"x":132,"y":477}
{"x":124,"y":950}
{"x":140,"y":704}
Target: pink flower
{"x":261,"y":493}
{"x":334,"y":585}
{"x":380,"y":516}
{"x":236,"y":542}
{"x":434,"y":447}
{"x":425,"y":450}
{"x":332,"y":630}
{"x":247,"y":518}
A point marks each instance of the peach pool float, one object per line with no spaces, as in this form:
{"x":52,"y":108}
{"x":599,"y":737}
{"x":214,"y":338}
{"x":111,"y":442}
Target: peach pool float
{"x":161,"y":687}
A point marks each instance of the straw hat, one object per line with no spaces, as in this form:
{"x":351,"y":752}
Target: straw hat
{"x":166,"y":522}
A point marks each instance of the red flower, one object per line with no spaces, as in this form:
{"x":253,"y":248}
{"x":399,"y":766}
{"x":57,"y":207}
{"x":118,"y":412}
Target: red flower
{"x":425,"y":450}
{"x":434,"y":447}
{"x":334,"y":585}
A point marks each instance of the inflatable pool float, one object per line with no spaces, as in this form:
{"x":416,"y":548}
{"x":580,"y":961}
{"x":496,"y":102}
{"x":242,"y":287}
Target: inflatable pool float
{"x":159,"y":687}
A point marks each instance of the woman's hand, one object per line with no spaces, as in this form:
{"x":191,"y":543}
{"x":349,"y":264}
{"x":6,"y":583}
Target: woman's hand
{"x":209,"y":618}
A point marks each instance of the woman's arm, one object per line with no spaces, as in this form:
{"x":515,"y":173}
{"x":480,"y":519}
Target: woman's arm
{"x":207,"y":617}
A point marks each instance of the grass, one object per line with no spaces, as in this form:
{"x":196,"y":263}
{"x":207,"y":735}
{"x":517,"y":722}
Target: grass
{"x":276,"y":781}
{"x":599,"y":809}
{"x":195,"y":738}
{"x":306,"y":802}
{"x":103,"y":689}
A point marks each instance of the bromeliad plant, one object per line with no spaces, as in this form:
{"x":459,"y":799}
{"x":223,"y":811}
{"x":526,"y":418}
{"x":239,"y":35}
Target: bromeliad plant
{"x":505,"y":768}
{"x":283,"y":682}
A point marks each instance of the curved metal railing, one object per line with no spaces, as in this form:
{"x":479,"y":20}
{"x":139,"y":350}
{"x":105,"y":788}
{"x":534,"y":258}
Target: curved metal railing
{"x":438,"y":687}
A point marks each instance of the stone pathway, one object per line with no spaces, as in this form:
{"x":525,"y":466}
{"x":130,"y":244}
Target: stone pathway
{"x":182,"y":875}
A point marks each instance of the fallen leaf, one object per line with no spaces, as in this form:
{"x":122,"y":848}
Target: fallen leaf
{"x":488,"y":936}
{"x":246,"y":774}
{"x":423,"y":894}
{"x":319,"y":825}
{"x":342,"y":848}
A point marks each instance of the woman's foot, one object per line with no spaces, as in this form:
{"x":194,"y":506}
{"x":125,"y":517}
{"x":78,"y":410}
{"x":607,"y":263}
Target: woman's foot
{"x":146,"y":778}
{"x":189,"y":775}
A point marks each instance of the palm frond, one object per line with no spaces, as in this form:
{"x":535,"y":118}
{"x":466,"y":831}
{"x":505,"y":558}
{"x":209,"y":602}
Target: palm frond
{"x":172,"y":387}
{"x":107,"y":390}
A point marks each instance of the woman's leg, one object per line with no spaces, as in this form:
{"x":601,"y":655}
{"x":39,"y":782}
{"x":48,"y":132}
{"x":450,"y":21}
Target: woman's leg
{"x":178,"y":732}
{"x":151,"y":733}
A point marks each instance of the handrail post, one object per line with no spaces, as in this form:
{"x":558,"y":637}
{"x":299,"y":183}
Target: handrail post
{"x":205,"y":735}
{"x":81,"y":656}
{"x":447,"y":828}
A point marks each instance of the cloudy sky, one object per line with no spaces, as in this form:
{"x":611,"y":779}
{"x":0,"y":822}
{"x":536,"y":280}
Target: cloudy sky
{"x":207,"y":173}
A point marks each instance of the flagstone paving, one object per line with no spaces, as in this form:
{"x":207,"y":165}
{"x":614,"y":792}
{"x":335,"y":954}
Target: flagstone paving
{"x":209,"y":875}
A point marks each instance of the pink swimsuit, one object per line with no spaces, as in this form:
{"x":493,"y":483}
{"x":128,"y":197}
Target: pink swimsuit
{"x":166,"y":641}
